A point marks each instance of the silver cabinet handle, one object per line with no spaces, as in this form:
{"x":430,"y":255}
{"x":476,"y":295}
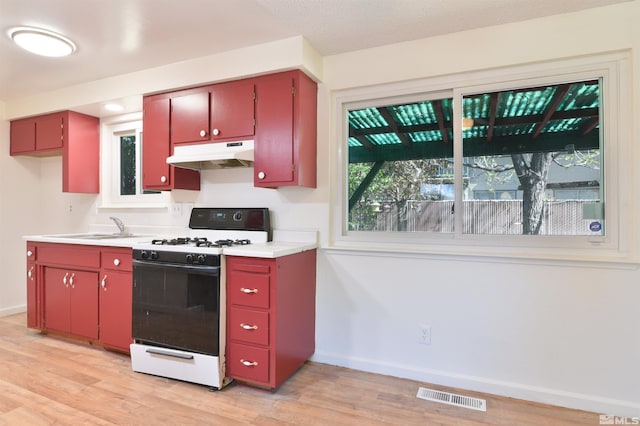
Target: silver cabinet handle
{"x":163,"y":179}
{"x":29,"y":253}
{"x":71,"y":280}
{"x":30,"y":273}
{"x":116,"y":262}
{"x":103,"y":283}
{"x":261,"y":175}
{"x":248,"y":327}
{"x":64,"y":280}
{"x":249,"y":363}
{"x":170,"y":354}
{"x":249,"y":290}
{"x":203,"y":133}
{"x":215,"y":132}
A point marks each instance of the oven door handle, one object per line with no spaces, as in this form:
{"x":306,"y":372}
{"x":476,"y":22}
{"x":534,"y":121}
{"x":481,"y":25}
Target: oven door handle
{"x":201,"y":269}
{"x":171,"y":354}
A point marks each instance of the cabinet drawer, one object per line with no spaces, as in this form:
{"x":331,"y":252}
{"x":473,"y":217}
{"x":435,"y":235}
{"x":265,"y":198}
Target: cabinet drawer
{"x":248,"y":362}
{"x":69,"y":255}
{"x":248,"y":326}
{"x":175,"y":364}
{"x":248,"y":289}
{"x":119,"y":260}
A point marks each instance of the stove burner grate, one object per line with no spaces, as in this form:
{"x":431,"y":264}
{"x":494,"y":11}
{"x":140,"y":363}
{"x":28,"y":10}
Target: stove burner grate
{"x":199,"y":242}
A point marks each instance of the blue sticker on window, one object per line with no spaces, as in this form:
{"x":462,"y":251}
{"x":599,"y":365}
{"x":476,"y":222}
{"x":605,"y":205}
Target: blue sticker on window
{"x":595,"y":226}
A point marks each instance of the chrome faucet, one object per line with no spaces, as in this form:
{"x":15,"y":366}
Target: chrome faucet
{"x":119,"y":224}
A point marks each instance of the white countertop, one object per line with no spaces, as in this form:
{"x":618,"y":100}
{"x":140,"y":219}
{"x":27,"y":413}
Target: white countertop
{"x":271,"y":249}
{"x":284,"y":242}
{"x":85,"y":239}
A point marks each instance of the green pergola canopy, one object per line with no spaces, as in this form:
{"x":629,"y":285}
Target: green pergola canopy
{"x":550,"y":118}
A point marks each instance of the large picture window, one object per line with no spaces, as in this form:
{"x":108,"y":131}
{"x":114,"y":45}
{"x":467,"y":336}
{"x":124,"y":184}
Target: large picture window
{"x":531,"y":161}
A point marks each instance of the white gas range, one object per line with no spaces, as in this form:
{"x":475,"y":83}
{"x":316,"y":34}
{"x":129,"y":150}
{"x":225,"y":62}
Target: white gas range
{"x":179,"y":294}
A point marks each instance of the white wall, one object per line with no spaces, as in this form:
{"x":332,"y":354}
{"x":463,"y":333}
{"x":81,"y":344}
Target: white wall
{"x":564,"y":333}
{"x":567,"y":334}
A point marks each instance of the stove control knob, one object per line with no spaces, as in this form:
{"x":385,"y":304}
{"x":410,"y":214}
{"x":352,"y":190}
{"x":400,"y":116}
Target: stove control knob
{"x":189,"y":258}
{"x":154,"y":255}
{"x":144,"y":254}
{"x":201,"y":258}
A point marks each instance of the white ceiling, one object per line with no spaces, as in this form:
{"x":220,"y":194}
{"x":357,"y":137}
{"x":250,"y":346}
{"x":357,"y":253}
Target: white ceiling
{"x":120,"y":36}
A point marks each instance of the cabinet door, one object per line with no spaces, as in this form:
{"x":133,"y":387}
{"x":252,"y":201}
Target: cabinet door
{"x":190,"y":117}
{"x":81,"y":153}
{"x":155,"y":144}
{"x":115,"y":309}
{"x":32,"y":298}
{"x":23,"y":136}
{"x":56,"y":300}
{"x":232,"y":109}
{"x":83,"y":303}
{"x":274,"y":136}
{"x":49,"y":132}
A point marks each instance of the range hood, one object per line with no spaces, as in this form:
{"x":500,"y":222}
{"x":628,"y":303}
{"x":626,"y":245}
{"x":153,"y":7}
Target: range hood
{"x":218,"y":155}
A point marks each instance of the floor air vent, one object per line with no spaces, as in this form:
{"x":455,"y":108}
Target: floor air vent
{"x":452,"y":399}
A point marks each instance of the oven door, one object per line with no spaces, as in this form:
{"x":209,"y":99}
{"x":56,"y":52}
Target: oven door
{"x":176,"y":306}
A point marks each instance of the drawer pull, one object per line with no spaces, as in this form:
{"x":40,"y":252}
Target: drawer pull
{"x":249,"y":363}
{"x":169,"y":354}
{"x":103,"y":283}
{"x":30,"y":273}
{"x":71,"y":280}
{"x":248,"y":327}
{"x":249,"y":290}
{"x":116,"y":262}
{"x":64,"y":280}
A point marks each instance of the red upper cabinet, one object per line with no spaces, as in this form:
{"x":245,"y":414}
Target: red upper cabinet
{"x":156,"y":147}
{"x":286,"y":124}
{"x":49,"y":131}
{"x":233,"y":110}
{"x":155,"y":144}
{"x":23,"y":136}
{"x":41,"y":135}
{"x":75,"y":135}
{"x":190,"y":116}
{"x":81,"y":153}
{"x":217,"y":112}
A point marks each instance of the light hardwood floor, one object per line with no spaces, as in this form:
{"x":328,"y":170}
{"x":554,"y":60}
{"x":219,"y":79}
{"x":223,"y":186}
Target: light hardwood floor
{"x":46,"y":380}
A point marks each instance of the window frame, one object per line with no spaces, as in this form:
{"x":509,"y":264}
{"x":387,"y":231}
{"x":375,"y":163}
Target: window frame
{"x":615,"y":245}
{"x":111,"y":130}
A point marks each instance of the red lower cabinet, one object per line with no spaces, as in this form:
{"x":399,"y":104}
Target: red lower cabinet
{"x":34,"y":319}
{"x":81,"y":291}
{"x":116,"y":283}
{"x":270,"y":317}
{"x":71,"y":302}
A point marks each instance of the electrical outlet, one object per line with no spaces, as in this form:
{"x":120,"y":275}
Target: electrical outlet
{"x":176,"y":209}
{"x":424,"y":336}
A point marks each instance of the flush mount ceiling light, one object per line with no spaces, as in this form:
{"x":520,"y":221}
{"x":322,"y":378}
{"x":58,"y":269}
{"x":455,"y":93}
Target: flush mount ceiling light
{"x":42,"y":42}
{"x":113,"y":107}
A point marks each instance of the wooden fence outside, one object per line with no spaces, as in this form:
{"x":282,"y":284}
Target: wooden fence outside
{"x":502,"y":217}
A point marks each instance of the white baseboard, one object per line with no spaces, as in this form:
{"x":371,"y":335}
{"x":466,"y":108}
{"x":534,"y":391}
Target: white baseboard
{"x":594,"y":403}
{"x":11,"y":310}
